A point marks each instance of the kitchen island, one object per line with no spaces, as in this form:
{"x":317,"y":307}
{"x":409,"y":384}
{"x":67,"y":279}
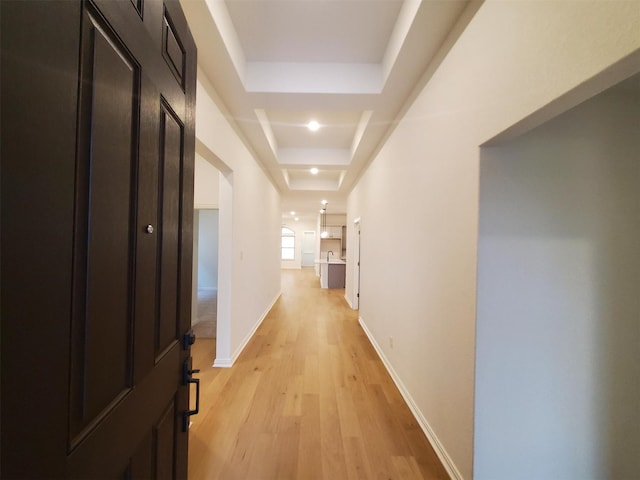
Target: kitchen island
{"x":332,"y":272}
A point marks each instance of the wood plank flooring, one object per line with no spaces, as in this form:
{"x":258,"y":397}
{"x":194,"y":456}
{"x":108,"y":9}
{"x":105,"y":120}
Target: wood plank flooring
{"x":207,"y":314}
{"x":307,"y":399}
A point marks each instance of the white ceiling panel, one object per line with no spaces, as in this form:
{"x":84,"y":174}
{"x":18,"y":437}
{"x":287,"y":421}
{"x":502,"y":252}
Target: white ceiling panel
{"x":336,"y":128}
{"x":328,"y":180}
{"x":351,"y":65}
{"x":355,"y":31}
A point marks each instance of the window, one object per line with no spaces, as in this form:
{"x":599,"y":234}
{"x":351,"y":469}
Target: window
{"x":288,"y":244}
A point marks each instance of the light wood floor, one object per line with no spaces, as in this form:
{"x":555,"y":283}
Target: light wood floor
{"x":307,"y":399}
{"x":207,"y":314}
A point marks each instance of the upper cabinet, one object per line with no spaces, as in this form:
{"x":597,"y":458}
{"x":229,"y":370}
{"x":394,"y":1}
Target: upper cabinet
{"x":334,"y":231}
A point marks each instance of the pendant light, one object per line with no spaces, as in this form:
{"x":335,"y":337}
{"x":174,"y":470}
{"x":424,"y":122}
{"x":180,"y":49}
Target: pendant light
{"x":323,"y":220}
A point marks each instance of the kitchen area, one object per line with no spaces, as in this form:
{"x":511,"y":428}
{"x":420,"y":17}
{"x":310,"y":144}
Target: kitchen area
{"x":332,"y":247}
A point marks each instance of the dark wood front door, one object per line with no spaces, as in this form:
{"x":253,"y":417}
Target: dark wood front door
{"x":98,"y":106}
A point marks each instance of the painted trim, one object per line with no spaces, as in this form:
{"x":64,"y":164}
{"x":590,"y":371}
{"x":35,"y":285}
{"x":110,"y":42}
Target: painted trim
{"x":223,"y":363}
{"x":348,"y":301}
{"x":228,"y":362}
{"x":444,"y":457}
{"x":208,"y":289}
{"x":355,"y":264}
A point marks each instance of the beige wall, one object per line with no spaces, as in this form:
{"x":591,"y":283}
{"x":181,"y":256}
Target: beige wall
{"x":558,"y":323}
{"x":249,"y":228}
{"x":206,"y":184}
{"x":419,"y":197}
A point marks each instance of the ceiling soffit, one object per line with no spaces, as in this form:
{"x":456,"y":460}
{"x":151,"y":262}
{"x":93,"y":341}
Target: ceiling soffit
{"x":349,"y":65}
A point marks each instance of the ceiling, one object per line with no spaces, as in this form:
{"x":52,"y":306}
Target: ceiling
{"x":350,"y":65}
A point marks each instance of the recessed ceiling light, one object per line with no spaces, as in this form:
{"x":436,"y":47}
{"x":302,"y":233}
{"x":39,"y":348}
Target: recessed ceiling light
{"x":292,"y":212}
{"x":313,"y":126}
{"x":324,"y":202}
{"x":314,"y":171}
{"x":296,"y":219}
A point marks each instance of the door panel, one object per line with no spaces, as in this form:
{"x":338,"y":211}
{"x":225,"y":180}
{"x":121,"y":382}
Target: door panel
{"x":39,"y":91}
{"x":171,"y":166}
{"x":111,"y":401}
{"x":105,"y":234}
{"x":141,"y":463}
{"x":106,"y":451}
{"x":172,"y":49}
{"x":164,"y":434}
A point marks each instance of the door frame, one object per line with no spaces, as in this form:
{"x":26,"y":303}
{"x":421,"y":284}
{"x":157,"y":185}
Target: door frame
{"x":302,"y":248}
{"x":356,"y":264}
{"x":225,"y":255}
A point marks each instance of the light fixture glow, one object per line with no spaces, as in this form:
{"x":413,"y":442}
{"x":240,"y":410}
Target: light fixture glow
{"x":313,"y":126}
{"x":292,"y":212}
{"x":323,"y":220}
{"x":296,"y":219}
{"x":314,"y":171}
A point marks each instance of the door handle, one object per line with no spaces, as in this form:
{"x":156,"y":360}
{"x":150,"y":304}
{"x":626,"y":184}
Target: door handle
{"x":187,"y":379}
{"x":188,"y":339}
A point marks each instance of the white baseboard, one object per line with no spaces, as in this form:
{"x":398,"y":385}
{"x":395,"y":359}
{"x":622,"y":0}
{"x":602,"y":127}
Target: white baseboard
{"x":444,"y":457}
{"x":228,"y":362}
{"x":223,"y":363}
{"x":208,"y":289}
{"x":348,"y":301}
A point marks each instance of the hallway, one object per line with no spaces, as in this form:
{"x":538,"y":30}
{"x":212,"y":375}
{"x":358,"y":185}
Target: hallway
{"x":307,"y":399}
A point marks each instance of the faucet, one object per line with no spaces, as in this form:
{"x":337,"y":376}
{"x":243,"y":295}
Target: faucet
{"x":329,"y":252}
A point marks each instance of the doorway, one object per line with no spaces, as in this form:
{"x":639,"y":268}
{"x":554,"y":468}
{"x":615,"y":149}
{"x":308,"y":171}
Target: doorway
{"x":223,"y":202}
{"x":356,"y":264}
{"x":308,"y":249}
{"x":204,"y":320}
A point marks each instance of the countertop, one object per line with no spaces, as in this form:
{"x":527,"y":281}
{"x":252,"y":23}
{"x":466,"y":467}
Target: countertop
{"x":331,"y":261}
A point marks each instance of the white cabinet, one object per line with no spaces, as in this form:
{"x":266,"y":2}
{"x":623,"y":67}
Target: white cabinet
{"x":335,"y":241}
{"x":334,"y":231}
{"x":324,"y":275}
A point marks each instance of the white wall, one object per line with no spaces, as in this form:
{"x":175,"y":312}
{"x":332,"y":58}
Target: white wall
{"x":207,"y":249}
{"x":419,"y":197}
{"x":336,"y":219}
{"x":250,"y":219}
{"x":299,"y":227}
{"x":205,"y":195}
{"x":206,"y":187}
{"x":558,"y":325}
